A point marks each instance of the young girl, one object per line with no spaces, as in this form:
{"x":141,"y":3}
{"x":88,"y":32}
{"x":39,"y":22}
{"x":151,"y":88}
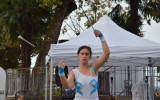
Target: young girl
{"x":85,"y":76}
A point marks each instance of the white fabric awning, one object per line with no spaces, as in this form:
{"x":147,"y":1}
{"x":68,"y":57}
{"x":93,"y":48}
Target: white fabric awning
{"x":126,"y":48}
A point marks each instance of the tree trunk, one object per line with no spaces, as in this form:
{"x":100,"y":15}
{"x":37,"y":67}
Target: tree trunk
{"x":26,"y":48}
{"x":26,"y":52}
{"x":134,"y":16}
{"x":51,"y":37}
{"x":54,"y":32}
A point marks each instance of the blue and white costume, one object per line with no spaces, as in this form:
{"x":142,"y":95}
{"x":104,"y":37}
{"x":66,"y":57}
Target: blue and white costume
{"x":86,"y":86}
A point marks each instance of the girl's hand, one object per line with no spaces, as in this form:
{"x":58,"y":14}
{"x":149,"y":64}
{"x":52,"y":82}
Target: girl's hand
{"x":97,"y":33}
{"x":62,"y":64}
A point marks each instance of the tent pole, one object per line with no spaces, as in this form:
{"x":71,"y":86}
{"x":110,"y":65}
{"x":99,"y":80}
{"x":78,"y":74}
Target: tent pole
{"x":147,"y":78}
{"x":46,"y":77}
{"x":114,"y":80}
{"x":46,"y":83}
{"x":51,"y":68}
{"x":151,"y":79}
{"x":152,"y":83}
{"x":128,"y":76}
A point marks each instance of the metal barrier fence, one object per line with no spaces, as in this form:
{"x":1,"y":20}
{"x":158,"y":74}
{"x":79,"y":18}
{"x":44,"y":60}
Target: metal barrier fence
{"x":31,"y":80}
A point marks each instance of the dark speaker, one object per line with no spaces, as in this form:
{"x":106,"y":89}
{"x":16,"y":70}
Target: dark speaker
{"x":68,"y":94}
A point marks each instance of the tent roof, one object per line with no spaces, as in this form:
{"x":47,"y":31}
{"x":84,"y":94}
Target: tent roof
{"x":126,"y":48}
{"x":114,"y":35}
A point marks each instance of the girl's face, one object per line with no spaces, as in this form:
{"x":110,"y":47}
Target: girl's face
{"x":84,"y":55}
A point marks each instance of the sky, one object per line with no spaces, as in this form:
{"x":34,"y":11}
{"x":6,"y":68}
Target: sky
{"x":152,"y":32}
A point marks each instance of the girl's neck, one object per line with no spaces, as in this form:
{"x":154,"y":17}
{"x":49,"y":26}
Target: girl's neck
{"x":83,"y":66}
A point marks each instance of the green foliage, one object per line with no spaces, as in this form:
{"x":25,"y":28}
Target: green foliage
{"x":118,"y":15}
{"x":49,"y":3}
{"x":9,"y":57}
{"x":56,"y":92}
{"x":14,"y":16}
{"x":147,"y":10}
{"x":151,"y":10}
{"x":122,"y":18}
{"x":18,"y":12}
{"x":92,"y":9}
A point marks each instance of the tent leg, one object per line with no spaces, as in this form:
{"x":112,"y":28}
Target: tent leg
{"x":46,"y":86}
{"x":114,"y":80}
{"x":151,"y":79}
{"x":51,"y":68}
{"x":152,"y":83}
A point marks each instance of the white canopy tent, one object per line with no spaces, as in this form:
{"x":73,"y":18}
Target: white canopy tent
{"x":126,"y":48}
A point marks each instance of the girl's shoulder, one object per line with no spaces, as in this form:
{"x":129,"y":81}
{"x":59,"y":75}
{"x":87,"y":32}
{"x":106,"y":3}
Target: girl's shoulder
{"x":75,"y":71}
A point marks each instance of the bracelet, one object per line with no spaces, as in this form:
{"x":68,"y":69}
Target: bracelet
{"x":101,"y":37}
{"x":60,"y":71}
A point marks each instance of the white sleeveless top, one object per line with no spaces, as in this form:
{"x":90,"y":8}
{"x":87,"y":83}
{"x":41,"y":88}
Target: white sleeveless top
{"x":86,"y":86}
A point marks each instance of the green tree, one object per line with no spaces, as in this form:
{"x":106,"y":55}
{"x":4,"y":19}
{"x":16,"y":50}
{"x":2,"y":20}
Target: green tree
{"x":88,"y":10}
{"x":26,"y":18}
{"x":122,"y":18}
{"x":93,"y":10}
{"x":118,"y":15}
{"x":61,"y":11}
{"x":9,"y":57}
{"x":137,"y":11}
